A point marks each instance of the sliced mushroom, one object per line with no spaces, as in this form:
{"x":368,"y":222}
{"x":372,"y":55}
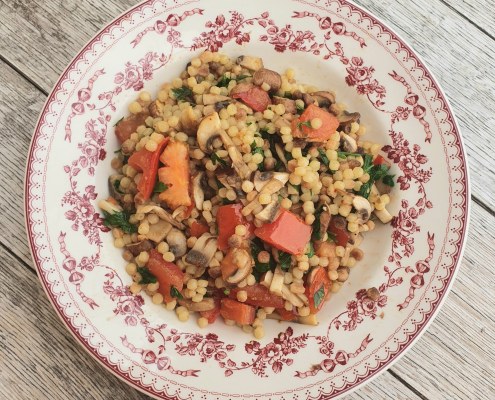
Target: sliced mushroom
{"x":233,"y":182}
{"x":189,"y":121}
{"x":198,"y":193}
{"x":273,"y":186}
{"x":349,"y":144}
{"x":383,"y":215}
{"x":177,"y":243}
{"x":159,"y":231}
{"x":308,"y":99}
{"x":290,"y":105}
{"x":214,"y":272}
{"x":203,"y":251}
{"x":208,"y":130}
{"x":262,"y":178}
{"x":209,"y":99}
{"x":324,"y":99}
{"x":235,"y":155}
{"x":156,"y":108}
{"x":113,"y":184}
{"x":204,"y":305}
{"x":269,"y":212}
{"x":147,"y":208}
{"x":241,"y":88}
{"x":221,"y":105}
{"x":137,"y":248}
{"x":271,"y":78}
{"x":363,"y":209}
{"x":277,"y":282}
{"x":347,"y":117}
{"x":250,"y":62}
{"x":280,"y":154}
{"x":236,"y":265}
{"x":325,"y":218}
{"x":382,"y":187}
{"x":125,"y":128}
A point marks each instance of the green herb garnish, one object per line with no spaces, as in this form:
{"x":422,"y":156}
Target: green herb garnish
{"x":389,"y":180}
{"x":323,"y":157}
{"x":183,"y":94}
{"x":260,"y":268}
{"x":319,"y":296}
{"x":118,"y":122}
{"x":304,"y":123}
{"x":316,"y":234}
{"x":226,"y":292}
{"x":299,"y":109}
{"x":146,"y":276}
{"x":344,"y":154}
{"x":216,"y":159}
{"x":119,"y":220}
{"x":224,"y":80}
{"x":376,"y":172}
{"x":174,"y":292}
{"x":160,"y":187}
{"x":284,"y":259}
{"x":116,"y":185}
{"x":288,"y":95}
{"x":311,"y":251}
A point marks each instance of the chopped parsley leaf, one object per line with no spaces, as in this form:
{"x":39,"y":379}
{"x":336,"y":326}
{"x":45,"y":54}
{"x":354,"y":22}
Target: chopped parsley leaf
{"x":174,"y":292}
{"x":119,"y":220}
{"x":146,"y":276}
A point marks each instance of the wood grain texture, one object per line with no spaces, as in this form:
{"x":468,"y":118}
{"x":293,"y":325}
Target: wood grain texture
{"x":39,"y":359}
{"x":455,"y":359}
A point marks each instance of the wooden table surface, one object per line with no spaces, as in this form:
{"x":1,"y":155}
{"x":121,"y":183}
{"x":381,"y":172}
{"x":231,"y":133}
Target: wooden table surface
{"x":454,"y":359}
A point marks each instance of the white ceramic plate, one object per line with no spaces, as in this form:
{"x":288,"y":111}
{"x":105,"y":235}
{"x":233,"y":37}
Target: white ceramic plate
{"x":332,"y":44}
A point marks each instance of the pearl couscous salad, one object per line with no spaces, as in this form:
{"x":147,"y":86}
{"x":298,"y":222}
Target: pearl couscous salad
{"x":241,"y":193}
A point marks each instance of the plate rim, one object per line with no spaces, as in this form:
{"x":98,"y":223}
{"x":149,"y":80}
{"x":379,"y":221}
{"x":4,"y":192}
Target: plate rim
{"x":463,"y":232}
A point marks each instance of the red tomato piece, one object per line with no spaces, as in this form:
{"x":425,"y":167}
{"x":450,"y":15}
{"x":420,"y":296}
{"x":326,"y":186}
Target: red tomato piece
{"x":379,"y":160}
{"x":317,"y":288}
{"x":212,"y":315}
{"x":125,"y":128}
{"x":255,"y":98}
{"x":239,"y":312}
{"x":329,"y":125}
{"x":198,"y":229}
{"x":340,"y":232}
{"x":147,"y":162}
{"x":259,"y":296}
{"x":228,"y":217}
{"x":167,"y":273}
{"x":287,"y":233}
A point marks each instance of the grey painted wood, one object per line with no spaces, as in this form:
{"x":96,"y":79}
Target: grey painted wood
{"x":455,"y":359}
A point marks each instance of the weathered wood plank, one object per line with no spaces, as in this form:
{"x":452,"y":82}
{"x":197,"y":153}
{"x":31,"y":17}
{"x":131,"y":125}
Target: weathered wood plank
{"x":455,"y":359}
{"x":476,"y":11}
{"x":39,"y":359}
{"x":463,"y":60}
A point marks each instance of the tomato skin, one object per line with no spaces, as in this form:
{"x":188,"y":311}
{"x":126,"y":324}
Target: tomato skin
{"x":147,"y":162}
{"x":212,"y":315}
{"x":379,"y":160}
{"x":341,"y":235}
{"x":319,"y":280}
{"x":329,"y":125}
{"x":287,"y":233}
{"x":255,"y":98}
{"x":239,"y":312}
{"x":228,"y":217}
{"x":259,"y":296}
{"x":197,"y":229}
{"x":286,"y":315}
{"x":168,"y":274}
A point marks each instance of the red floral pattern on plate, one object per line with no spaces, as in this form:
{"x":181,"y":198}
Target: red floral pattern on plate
{"x":329,"y":41}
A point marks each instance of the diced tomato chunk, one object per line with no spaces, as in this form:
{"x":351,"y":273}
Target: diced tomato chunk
{"x":341,"y":235}
{"x":317,"y":288}
{"x":256,"y":98}
{"x":228,"y":217}
{"x":197,"y":229}
{"x":287,"y":233}
{"x":259,"y":296}
{"x":175,"y":174}
{"x":168,"y":274}
{"x":212,"y":315}
{"x":286,"y":315}
{"x":329,"y":124}
{"x":239,"y":312}
{"x":125,"y":128}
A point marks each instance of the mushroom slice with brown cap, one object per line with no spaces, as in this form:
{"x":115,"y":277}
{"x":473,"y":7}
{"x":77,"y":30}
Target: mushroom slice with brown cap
{"x":250,"y":62}
{"x":324,"y":220}
{"x":198,"y":193}
{"x":177,"y":243}
{"x":209,"y":99}
{"x":137,"y":248}
{"x":271,"y":78}
{"x":208,"y":130}
{"x":347,"y":117}
{"x":235,"y":155}
{"x":159,"y":231}
{"x":289,"y":104}
{"x":349,"y":144}
{"x":273,"y":186}
{"x":281,"y":155}
{"x":262,"y":178}
{"x":203,"y":251}
{"x":239,"y":261}
{"x":148,"y":208}
{"x":203,"y":305}
{"x":324,"y":98}
{"x":269,"y":212}
{"x":189,"y":121}
{"x":363,"y":209}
